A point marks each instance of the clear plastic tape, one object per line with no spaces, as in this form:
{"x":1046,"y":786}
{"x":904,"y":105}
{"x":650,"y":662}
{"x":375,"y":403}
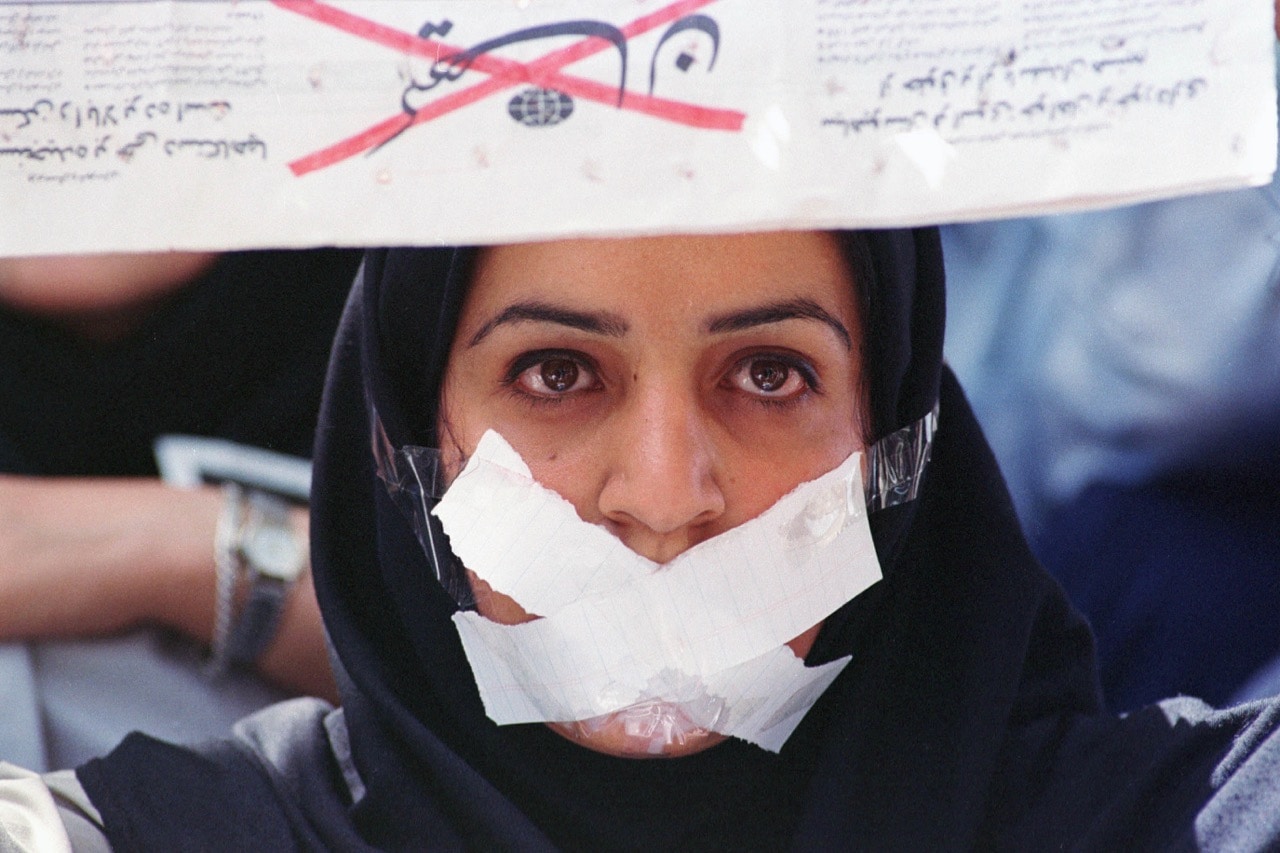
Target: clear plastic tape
{"x":412,"y":470}
{"x":415,"y":480}
{"x":896,"y":463}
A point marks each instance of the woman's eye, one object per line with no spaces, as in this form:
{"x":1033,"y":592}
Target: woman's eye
{"x":769,"y":377}
{"x":555,"y":376}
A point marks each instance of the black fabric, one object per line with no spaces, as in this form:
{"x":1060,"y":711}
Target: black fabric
{"x":237,"y":354}
{"x":969,"y":717}
{"x":1134,"y":558}
{"x":222,"y":774}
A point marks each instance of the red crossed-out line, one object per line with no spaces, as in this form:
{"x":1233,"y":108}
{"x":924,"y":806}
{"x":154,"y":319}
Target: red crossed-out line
{"x":504,"y":73}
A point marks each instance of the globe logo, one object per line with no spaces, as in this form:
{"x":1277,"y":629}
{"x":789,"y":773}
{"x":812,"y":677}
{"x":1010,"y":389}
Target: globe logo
{"x":535,"y":107}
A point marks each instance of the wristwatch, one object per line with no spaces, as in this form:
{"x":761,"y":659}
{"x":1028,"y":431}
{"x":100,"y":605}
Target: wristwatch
{"x":271,"y":555}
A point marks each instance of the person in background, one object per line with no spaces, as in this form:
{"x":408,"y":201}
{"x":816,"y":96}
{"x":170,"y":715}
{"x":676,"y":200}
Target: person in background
{"x":99,"y":355}
{"x":1125,"y":365}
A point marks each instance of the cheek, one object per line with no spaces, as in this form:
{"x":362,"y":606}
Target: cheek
{"x":801,"y":645}
{"x":567,"y":463}
{"x":465,"y":409}
{"x":495,"y":606}
{"x":756,"y":474}
{"x":781,"y":448}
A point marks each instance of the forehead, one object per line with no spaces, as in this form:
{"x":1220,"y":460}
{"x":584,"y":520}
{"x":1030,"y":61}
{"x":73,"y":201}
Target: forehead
{"x":670,"y":279}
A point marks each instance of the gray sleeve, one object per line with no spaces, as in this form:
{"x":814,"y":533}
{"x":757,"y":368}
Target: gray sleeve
{"x":81,"y":820}
{"x":1244,"y":812}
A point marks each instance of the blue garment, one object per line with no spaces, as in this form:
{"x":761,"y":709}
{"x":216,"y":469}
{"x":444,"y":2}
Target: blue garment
{"x":1112,"y":346}
{"x":1125,"y":366}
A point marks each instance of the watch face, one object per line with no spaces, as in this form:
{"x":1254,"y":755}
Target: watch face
{"x":274,"y":551}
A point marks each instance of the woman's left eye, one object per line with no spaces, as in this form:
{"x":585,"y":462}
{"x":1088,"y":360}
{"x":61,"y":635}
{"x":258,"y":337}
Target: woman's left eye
{"x":771,"y":377}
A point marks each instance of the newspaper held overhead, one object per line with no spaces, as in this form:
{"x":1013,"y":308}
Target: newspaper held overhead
{"x":157,"y":124}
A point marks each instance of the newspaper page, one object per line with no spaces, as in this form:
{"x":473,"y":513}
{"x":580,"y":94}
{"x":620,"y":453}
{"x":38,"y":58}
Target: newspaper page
{"x":219,"y":124}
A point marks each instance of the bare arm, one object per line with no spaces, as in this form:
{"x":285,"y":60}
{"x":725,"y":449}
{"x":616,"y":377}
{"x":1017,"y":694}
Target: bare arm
{"x":86,"y":557}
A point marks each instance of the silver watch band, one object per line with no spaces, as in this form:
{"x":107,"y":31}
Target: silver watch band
{"x":256,"y":542}
{"x":227,"y":565}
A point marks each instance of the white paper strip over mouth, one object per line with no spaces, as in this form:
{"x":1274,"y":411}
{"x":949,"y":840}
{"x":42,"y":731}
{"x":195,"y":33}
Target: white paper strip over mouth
{"x":619,"y":628}
{"x":761,"y":700}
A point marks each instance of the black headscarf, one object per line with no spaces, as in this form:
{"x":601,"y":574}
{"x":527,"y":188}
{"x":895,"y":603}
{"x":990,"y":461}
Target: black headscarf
{"x":969,"y":715}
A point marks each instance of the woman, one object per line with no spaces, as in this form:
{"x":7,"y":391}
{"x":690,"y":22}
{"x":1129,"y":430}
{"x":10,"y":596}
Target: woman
{"x":670,"y":388}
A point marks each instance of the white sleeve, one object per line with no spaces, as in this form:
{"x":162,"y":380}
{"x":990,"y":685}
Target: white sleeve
{"x":46,"y":814}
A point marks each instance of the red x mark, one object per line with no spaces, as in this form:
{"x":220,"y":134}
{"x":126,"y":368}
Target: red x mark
{"x":503,"y":73}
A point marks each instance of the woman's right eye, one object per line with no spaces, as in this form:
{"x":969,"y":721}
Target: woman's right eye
{"x":553,"y":376}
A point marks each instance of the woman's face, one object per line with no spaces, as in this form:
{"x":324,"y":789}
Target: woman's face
{"x":670,"y":388}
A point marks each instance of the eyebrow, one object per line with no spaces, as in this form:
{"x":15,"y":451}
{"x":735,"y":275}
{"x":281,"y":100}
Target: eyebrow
{"x":597,"y":323}
{"x":777,"y":312}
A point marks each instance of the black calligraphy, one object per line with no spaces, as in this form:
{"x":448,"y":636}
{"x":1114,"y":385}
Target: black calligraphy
{"x":207,"y":54}
{"x":206,"y":148}
{"x":968,"y":71}
{"x":43,"y":112}
{"x":539,"y":106}
{"x":45,"y":130}
{"x":685,"y":59}
{"x":451,"y":68}
{"x":1100,"y":103}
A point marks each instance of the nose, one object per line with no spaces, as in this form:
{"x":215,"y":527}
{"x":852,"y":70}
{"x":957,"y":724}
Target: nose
{"x":661,"y":495}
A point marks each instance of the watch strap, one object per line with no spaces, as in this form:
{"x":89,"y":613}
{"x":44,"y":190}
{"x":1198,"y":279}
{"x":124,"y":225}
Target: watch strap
{"x":227,"y":566}
{"x":256,"y":624}
{"x":240,"y":638}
